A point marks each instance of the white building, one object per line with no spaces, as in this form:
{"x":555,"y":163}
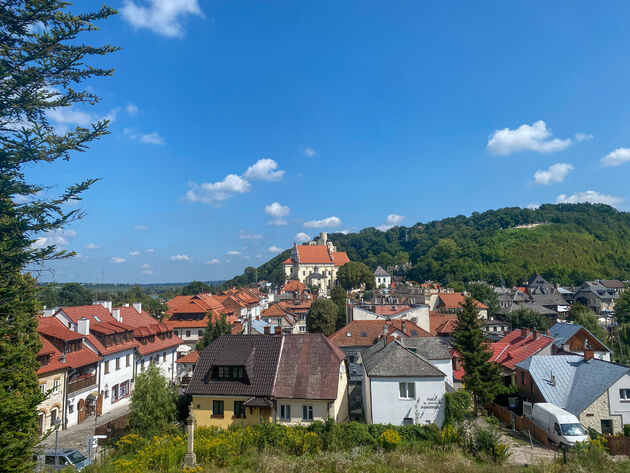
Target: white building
{"x":382,"y":278}
{"x":113,"y":340}
{"x":401,"y":387}
{"x":416,"y":313}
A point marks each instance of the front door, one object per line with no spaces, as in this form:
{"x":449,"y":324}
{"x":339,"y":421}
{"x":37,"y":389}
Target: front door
{"x":607,"y":426}
{"x":99,"y":404}
{"x":81,"y":411}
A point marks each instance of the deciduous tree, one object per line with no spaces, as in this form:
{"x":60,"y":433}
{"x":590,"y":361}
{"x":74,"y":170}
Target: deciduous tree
{"x":352,"y":274}
{"x":213,"y":331}
{"x":322,"y":317}
{"x":153,"y":403}
{"x":582,"y":315}
{"x":527,"y":318}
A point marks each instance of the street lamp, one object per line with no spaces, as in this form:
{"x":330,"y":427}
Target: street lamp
{"x":57,"y":423}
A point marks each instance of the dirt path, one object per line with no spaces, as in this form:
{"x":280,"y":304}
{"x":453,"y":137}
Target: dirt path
{"x":523,"y":453}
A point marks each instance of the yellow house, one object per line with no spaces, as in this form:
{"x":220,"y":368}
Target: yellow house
{"x":289,"y":378}
{"x":52,"y":380}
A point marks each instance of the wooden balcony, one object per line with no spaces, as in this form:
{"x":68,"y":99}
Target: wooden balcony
{"x":81,"y":384}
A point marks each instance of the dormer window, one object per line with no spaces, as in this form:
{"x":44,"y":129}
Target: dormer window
{"x":228,"y":372}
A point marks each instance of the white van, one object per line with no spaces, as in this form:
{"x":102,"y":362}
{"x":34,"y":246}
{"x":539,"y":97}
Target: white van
{"x":561,"y":426}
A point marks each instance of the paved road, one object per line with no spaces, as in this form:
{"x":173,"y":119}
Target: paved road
{"x":76,"y":436}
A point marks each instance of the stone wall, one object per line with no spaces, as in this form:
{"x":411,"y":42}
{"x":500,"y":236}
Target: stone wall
{"x":592,"y":416}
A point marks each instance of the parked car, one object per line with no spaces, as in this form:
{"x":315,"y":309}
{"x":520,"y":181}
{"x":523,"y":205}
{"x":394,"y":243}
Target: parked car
{"x":561,"y":426}
{"x":65,"y":457}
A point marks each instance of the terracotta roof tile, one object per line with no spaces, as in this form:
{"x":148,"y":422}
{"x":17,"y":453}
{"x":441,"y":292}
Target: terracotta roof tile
{"x":373,"y":329}
{"x":192,"y":357}
{"x":53,"y":327}
{"x":453,"y":300}
{"x":318,"y":254}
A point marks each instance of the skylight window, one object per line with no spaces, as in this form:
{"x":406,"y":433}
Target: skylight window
{"x":96,"y":318}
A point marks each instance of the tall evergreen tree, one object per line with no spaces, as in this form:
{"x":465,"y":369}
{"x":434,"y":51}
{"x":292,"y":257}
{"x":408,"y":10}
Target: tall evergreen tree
{"x":214,"y":330}
{"x":41,"y":62}
{"x":482,"y":377}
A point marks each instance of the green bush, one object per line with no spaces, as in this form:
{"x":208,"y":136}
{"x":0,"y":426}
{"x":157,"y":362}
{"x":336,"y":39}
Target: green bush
{"x":457,"y":406}
{"x":484,"y":444}
{"x":626,"y":430}
{"x":389,"y":440}
{"x":417,"y":432}
{"x":354,"y":434}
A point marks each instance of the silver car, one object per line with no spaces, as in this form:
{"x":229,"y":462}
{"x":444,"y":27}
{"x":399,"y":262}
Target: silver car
{"x":64,"y":457}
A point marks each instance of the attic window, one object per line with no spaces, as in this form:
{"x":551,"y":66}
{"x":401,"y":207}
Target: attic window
{"x":348,"y":334}
{"x":228,"y":372}
{"x":364,"y":334}
{"x":414,"y":333}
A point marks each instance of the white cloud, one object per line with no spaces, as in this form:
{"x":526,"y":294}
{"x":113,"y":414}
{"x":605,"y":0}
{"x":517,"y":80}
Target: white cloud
{"x":325,"y":222}
{"x":147,"y":266}
{"x":593,"y":197}
{"x":153,"y":138}
{"x":533,"y":206}
{"x":310,"y":152}
{"x":134,"y":253}
{"x":147,"y":271}
{"x":583,"y":136}
{"x":140,"y":228}
{"x":91,"y":246}
{"x":81,"y":257}
{"x":131,"y":108}
{"x":391,"y":221}
{"x":163,"y":17}
{"x":117,"y":260}
{"x":233,"y":253}
{"x":217,"y":192}
{"x":277,"y":210}
{"x":181,"y":258}
{"x":213,"y":261}
{"x":555,"y":173}
{"x":535,"y":137}
{"x":65,"y":117}
{"x":150,"y":250}
{"x":258,"y":256}
{"x":54,"y":237}
{"x":302,"y":237}
{"x":275,"y":249}
{"x":264,"y":170}
{"x":243,"y":235}
{"x":616,"y":157}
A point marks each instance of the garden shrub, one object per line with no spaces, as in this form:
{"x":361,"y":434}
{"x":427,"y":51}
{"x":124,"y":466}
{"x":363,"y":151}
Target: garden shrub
{"x":415,"y":432}
{"x":354,"y":434}
{"x":626,"y":430}
{"x":457,"y":406}
{"x":484,"y":443}
{"x":389,"y":440}
{"x":448,"y":435}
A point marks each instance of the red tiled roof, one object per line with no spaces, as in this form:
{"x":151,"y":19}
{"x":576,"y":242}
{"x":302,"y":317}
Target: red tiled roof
{"x":83,"y":357}
{"x":197,"y":323}
{"x":158,"y":344}
{"x":49,"y":350}
{"x":116,"y":348}
{"x":53,"y":327}
{"x":197,"y":304}
{"x":513,"y":348}
{"x":453,"y":300}
{"x":318,"y":254}
{"x":390,"y":309}
{"x":442,"y":324}
{"x":293,"y":286}
{"x":192,"y":357}
{"x":87,"y":311}
{"x":373,"y":329}
{"x":131,"y":316}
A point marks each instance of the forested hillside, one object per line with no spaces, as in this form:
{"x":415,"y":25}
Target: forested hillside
{"x":574,"y":242}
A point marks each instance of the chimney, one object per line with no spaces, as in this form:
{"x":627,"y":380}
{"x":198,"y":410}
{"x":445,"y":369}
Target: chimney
{"x":116,"y":315}
{"x":536,"y":333}
{"x":278,"y":330}
{"x":137,"y":306}
{"x":403,"y":326}
{"x":83,"y":327}
{"x":524,"y":332}
{"x":106,"y":304}
{"x":267,"y":330}
{"x":589,"y":353}
{"x":323,"y":236}
{"x":62,"y":358}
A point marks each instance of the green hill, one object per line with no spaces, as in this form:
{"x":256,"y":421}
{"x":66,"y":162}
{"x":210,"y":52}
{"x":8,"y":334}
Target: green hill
{"x":572,"y":243}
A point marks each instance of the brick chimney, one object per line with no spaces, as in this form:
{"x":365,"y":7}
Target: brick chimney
{"x":535,"y":333}
{"x":589,"y":353}
{"x":267,"y":330}
{"x":278,"y":330}
{"x":524,"y":332}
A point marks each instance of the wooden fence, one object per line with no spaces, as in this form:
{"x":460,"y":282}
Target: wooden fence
{"x":618,"y":445}
{"x":113,"y":429}
{"x":501,"y":413}
{"x":521,"y":423}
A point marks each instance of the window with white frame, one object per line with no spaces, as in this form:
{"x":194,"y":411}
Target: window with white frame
{"x":285,"y":412}
{"x":302,"y":328}
{"x":307,"y":412}
{"x":624,"y":394}
{"x":56,"y":386}
{"x":407,"y":390}
{"x":42,"y":388}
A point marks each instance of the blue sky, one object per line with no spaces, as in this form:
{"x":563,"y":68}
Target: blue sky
{"x":238,"y":126}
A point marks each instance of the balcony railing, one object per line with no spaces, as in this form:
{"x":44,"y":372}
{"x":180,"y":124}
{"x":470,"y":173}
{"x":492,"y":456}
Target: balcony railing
{"x":81,"y":384}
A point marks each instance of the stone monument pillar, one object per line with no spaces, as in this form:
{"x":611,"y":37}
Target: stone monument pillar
{"x":190,"y":459}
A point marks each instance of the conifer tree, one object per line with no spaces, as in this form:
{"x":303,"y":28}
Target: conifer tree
{"x":482,"y":377}
{"x":41,"y":63}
